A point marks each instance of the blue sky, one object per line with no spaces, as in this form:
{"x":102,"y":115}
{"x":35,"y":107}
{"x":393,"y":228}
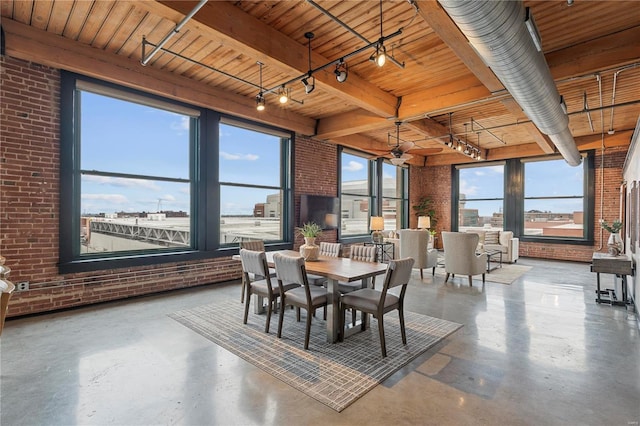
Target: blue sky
{"x":130,"y":138}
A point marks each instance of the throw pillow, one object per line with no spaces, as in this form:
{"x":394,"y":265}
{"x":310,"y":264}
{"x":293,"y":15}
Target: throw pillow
{"x":505,"y":237}
{"x":492,"y":237}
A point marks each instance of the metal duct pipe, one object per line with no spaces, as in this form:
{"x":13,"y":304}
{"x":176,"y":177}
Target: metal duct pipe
{"x":497,"y":31}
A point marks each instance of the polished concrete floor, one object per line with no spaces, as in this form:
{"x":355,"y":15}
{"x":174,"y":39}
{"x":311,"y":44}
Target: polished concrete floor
{"x":537,"y":352}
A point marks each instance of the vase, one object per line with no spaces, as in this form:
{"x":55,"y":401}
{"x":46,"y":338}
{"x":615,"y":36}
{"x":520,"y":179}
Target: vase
{"x":614,"y":244}
{"x":309,"y":250}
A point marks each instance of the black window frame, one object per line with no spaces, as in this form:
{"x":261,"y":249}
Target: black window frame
{"x":205,"y":189}
{"x":514,"y":200}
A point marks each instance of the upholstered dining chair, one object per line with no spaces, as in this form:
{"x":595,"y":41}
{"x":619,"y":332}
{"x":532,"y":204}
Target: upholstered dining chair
{"x":460,"y":255}
{"x":254,"y":245}
{"x":254,"y":265}
{"x":326,"y":249}
{"x":379,"y":302}
{"x":365,"y":254}
{"x":291,"y":269}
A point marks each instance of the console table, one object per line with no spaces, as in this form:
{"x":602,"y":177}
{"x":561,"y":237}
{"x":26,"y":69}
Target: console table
{"x":620,"y":266}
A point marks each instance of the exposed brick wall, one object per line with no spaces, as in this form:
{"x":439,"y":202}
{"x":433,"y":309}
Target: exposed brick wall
{"x":313,"y":161}
{"x":29,"y":207}
{"x":433,"y":182}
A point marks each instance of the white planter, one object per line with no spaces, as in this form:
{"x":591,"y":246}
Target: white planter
{"x":309,"y":250}
{"x":614,"y":244}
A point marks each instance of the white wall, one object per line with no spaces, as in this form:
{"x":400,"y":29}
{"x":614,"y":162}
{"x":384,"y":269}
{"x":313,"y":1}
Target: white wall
{"x":631,"y":174}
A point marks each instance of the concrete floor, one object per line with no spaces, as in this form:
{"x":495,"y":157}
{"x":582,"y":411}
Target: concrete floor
{"x":537,"y":352}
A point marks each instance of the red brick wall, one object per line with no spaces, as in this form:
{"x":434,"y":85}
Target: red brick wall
{"x":313,"y":156}
{"x":433,"y":182}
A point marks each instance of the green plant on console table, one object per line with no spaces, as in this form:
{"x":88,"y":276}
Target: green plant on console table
{"x":614,"y":228}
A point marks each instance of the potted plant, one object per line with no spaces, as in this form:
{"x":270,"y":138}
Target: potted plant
{"x":425,"y":207}
{"x":310,"y":231}
{"x":614,"y":243}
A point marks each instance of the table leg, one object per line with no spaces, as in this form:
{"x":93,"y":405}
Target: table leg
{"x":333,"y":310}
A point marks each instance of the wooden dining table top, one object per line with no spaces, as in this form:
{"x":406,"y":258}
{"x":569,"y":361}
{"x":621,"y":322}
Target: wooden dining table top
{"x":336,"y":268}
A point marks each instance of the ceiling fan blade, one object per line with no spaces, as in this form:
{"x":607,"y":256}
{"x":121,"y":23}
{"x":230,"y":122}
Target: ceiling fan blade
{"x":406,"y":146}
{"x":406,"y":156}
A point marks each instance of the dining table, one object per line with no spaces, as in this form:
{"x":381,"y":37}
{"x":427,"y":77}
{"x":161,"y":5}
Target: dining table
{"x":335,"y":269}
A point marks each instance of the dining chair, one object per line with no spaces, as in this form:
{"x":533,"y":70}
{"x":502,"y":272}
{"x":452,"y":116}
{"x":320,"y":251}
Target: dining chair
{"x":254,"y":265}
{"x":292,"y":270}
{"x":365,"y":254}
{"x":254,"y":245}
{"x":326,"y":249}
{"x":379,"y":302}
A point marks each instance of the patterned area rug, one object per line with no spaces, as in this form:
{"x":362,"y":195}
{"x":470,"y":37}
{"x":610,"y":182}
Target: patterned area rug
{"x":507,"y":274}
{"x":334,"y":374}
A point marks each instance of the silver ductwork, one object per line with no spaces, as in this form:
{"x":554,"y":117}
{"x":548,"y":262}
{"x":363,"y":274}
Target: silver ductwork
{"x":497,"y":31}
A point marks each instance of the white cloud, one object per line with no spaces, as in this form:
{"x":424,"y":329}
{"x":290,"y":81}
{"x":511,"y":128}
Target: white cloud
{"x":497,"y":169}
{"x":181,"y":125}
{"x":110,"y":198}
{"x":479,"y":172}
{"x":243,"y":157}
{"x":353,"y":166}
{"x":467,"y":189}
{"x":122,"y":183}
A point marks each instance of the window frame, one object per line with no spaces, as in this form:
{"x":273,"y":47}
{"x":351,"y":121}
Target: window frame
{"x":513,"y":216}
{"x":375,"y":184}
{"x":205,"y":185}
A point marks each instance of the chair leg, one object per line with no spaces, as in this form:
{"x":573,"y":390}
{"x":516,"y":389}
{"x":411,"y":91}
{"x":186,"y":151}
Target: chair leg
{"x":353,"y":316}
{"x":383,"y":344}
{"x":402,"y":330}
{"x":268,"y":321}
{"x":433,"y":272}
{"x":281,"y":317}
{"x":246,"y":306}
{"x":482,"y":278}
{"x":324,"y":311}
{"x":297,"y":314}
{"x":308,"y":331}
{"x":446,"y":278}
{"x":341,"y":325}
{"x":470,"y":281}
{"x":421,"y":276}
{"x":242,"y":284}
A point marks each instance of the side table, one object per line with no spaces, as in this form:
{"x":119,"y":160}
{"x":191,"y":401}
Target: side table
{"x":384,"y":251}
{"x":621,"y":266}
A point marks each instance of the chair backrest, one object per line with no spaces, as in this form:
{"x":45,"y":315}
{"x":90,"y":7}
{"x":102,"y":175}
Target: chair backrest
{"x":364,"y":253}
{"x":290,"y":269}
{"x":414,"y":243}
{"x":330,"y":249}
{"x":398,"y":273}
{"x":255,"y":245}
{"x":254,"y":262}
{"x":460,"y":253}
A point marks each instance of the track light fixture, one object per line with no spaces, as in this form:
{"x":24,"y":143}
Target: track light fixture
{"x":341,"y":71}
{"x":380,"y":55}
{"x":283,"y":95}
{"x":308,"y":87}
{"x":260,"y":105}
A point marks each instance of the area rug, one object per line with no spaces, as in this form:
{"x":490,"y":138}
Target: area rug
{"x":505,"y":275}
{"x":333,"y":374}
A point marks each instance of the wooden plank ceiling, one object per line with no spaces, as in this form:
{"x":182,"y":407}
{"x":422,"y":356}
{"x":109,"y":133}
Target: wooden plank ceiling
{"x":588,"y":46}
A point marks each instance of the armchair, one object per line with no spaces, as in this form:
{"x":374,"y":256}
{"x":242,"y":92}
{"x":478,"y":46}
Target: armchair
{"x":414,"y":243}
{"x":498,"y":240}
{"x":460,"y":255}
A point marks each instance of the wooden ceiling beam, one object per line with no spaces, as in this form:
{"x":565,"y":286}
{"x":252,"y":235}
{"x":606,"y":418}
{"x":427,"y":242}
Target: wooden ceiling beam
{"x":357,"y":121}
{"x":595,"y":55}
{"x":227,"y":24}
{"x":543,"y":141}
{"x":30,"y":44}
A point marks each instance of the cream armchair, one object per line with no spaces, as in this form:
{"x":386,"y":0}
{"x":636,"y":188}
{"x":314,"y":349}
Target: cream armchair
{"x":460,"y":255}
{"x":414,"y":243}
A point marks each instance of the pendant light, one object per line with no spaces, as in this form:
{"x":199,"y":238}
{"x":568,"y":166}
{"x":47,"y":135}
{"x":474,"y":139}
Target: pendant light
{"x":380,"y":55}
{"x":309,"y":82}
{"x":260,"y":105}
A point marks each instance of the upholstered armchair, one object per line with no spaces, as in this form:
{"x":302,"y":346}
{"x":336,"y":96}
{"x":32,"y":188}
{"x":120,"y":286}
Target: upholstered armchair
{"x":414,"y":243}
{"x":460,"y":255}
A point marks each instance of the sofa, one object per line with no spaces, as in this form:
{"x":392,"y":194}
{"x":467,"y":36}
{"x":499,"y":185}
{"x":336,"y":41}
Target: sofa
{"x":494,"y":239}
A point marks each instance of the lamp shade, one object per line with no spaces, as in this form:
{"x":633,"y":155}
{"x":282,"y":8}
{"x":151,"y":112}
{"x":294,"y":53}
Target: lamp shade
{"x":424,"y":222}
{"x":377,"y":223}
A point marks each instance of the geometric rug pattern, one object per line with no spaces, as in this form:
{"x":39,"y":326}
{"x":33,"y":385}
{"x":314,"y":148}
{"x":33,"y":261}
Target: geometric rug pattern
{"x":333,"y":374}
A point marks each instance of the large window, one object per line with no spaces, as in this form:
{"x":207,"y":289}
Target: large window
{"x":553,"y":199}
{"x":538,"y":199}
{"x":481,"y":197}
{"x":371,"y":188}
{"x":145,"y":179}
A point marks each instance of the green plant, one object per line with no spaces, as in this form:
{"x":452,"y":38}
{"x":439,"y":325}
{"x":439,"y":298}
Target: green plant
{"x":425,"y":207}
{"x":310,"y":230}
{"x":614,"y":228}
